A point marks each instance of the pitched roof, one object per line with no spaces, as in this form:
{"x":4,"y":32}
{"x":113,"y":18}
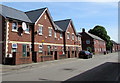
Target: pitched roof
{"x":58,"y":28}
{"x":94,"y":36}
{"x":78,"y":34}
{"x":9,"y":12}
{"x":63,"y":24}
{"x":35,"y":14}
{"x":113,"y":42}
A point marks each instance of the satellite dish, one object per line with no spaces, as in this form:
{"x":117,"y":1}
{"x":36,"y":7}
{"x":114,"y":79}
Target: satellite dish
{"x":24,"y":26}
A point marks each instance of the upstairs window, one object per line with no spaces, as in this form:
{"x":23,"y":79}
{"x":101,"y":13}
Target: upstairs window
{"x":45,"y":16}
{"x":28,"y":29}
{"x":50,"y":32}
{"x":87,"y":41}
{"x":55,"y":35}
{"x":61,"y":35}
{"x":14,"y":26}
{"x":94,"y":42}
{"x":40,"y":30}
{"x":79,"y":38}
{"x":68,"y":35}
{"x":72,"y":36}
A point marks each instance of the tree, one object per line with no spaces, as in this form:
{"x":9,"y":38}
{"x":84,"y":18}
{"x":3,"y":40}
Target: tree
{"x":101,"y":32}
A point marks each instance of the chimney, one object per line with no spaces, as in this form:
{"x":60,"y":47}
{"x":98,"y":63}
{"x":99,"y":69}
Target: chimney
{"x":83,"y":30}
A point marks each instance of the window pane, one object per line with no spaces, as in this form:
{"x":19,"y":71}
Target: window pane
{"x":50,"y":32}
{"x":40,"y":30}
{"x":14,"y":26}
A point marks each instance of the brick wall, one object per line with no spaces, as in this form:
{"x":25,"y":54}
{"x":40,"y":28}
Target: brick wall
{"x":84,"y":45}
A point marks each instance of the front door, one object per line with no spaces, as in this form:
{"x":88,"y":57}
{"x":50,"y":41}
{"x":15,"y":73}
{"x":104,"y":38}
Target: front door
{"x":55,"y":56}
{"x":24,"y":50}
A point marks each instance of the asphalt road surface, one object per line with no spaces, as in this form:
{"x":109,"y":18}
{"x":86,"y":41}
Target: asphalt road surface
{"x":98,"y":68}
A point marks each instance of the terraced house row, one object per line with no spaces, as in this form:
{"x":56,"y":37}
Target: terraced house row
{"x":33,"y":36}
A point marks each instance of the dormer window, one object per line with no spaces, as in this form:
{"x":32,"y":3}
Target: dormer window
{"x":14,"y":26}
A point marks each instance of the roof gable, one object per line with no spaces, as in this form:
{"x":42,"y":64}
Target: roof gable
{"x":9,"y":12}
{"x":35,"y":14}
{"x":63,"y":24}
{"x":73,"y":27}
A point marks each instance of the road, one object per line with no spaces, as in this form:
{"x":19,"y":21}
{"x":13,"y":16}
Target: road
{"x":98,"y":68}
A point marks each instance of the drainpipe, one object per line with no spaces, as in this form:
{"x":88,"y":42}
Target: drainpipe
{"x":33,"y":40}
{"x":64,"y":42}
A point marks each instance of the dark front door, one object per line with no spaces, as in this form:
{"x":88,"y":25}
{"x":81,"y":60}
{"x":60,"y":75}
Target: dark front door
{"x":75,"y":54}
{"x":24,"y":50}
{"x":55,"y":56}
{"x":68,"y":54}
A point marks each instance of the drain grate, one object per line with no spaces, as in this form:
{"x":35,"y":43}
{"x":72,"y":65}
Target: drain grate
{"x":68,"y":69}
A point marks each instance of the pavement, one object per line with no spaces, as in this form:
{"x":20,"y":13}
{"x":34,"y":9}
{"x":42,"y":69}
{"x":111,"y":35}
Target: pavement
{"x":100,"y":66}
{"x":9,"y":68}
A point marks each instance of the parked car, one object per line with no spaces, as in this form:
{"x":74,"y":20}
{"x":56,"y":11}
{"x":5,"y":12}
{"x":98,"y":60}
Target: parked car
{"x":85,"y":54}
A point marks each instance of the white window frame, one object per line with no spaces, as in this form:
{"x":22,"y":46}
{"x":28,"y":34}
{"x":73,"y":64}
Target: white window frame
{"x":50,"y":31}
{"x":61,"y":35}
{"x":40,"y":48}
{"x":28,"y":29}
{"x":15,"y":30}
{"x":68,"y":35}
{"x":45,"y":16}
{"x":73,"y":37}
{"x":40,"y":30}
{"x":30,"y":46}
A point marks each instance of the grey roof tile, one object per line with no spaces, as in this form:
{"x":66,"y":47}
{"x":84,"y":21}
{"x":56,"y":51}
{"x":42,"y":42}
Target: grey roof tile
{"x":9,"y":12}
{"x":94,"y":36}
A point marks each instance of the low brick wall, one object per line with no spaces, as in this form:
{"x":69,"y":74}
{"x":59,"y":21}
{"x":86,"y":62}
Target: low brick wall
{"x":40,"y":57}
{"x":47,"y":58}
{"x":18,"y":59}
{"x":23,"y":60}
{"x":62,"y":56}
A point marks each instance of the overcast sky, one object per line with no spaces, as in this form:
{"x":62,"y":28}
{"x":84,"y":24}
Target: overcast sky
{"x":84,"y":14}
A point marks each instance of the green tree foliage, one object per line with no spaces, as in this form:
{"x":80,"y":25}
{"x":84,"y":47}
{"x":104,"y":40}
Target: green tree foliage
{"x":101,"y":32}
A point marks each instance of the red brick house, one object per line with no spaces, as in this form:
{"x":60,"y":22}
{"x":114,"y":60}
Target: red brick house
{"x":72,"y":40}
{"x":48,"y":40}
{"x":118,"y":45}
{"x":92,"y":43}
{"x":115,"y":46}
{"x":33,"y":36}
{"x":16,"y":41}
